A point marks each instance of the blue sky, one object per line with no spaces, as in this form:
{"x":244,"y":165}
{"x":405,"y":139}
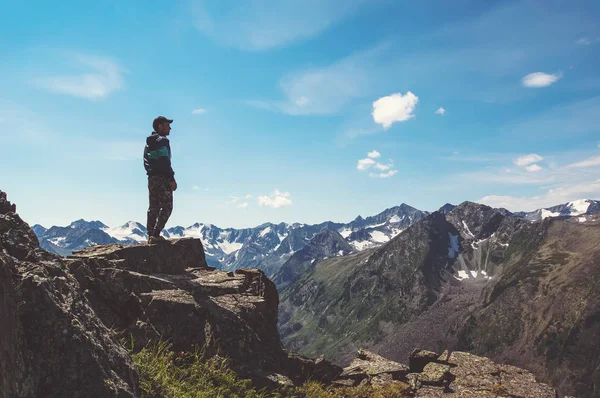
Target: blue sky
{"x":298,"y":110}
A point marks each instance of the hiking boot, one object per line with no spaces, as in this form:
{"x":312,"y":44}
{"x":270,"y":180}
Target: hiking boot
{"x":156,"y":239}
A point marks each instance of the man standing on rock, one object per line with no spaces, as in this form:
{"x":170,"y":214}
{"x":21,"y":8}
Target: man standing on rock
{"x":161,"y":178}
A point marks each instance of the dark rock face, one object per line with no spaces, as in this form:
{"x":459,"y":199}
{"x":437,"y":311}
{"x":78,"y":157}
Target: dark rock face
{"x":53,"y":344}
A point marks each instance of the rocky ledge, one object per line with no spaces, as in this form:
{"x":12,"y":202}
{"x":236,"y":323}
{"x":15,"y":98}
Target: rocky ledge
{"x":65,"y":323}
{"x":456,"y":374}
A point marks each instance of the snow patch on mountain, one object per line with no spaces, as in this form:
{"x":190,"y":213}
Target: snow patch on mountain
{"x":379,"y":237}
{"x":548,"y":213}
{"x":345,"y":232}
{"x":60,"y":241}
{"x":229,"y":247}
{"x":467,"y":229}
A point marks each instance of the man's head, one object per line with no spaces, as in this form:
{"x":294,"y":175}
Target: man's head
{"x":162,"y":125}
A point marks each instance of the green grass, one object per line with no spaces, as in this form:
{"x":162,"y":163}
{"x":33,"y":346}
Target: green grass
{"x":165,"y":374}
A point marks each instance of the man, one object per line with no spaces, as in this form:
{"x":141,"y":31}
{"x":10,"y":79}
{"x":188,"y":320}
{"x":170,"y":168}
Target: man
{"x":161,"y":178}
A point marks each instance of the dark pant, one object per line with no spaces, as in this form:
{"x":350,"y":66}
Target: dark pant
{"x":161,"y":204}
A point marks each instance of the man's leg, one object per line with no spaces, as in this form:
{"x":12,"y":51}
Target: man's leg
{"x":166,"y":206}
{"x":154,"y":189}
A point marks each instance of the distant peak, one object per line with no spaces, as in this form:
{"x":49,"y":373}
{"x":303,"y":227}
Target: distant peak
{"x":81,"y":223}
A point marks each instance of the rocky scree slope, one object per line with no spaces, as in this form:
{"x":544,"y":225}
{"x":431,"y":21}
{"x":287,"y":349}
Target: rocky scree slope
{"x":475,"y":279}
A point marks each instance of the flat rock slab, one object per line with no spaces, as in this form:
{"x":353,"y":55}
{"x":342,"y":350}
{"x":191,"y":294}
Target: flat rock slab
{"x":370,"y":366}
{"x":168,"y":257}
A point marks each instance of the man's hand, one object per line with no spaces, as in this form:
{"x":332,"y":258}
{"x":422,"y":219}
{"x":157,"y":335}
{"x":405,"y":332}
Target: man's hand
{"x":173,"y":185}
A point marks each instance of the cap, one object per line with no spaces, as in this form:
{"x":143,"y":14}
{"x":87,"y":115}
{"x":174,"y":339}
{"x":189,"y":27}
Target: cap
{"x":160,"y":120}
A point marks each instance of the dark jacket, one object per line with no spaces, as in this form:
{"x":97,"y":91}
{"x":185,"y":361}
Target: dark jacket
{"x":157,"y":157}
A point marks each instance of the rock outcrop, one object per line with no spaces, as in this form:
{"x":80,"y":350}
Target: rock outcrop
{"x":456,"y":374}
{"x":65,"y":320}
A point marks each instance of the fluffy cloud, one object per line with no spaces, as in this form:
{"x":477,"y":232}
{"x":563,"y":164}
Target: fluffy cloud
{"x":242,"y":205}
{"x":441,"y":111}
{"x":532,"y":168}
{"x":528,"y":159}
{"x":394,"y":108}
{"x":364,"y":164}
{"x":540,"y":79}
{"x":198,"y":111}
{"x":373,"y":154}
{"x":383,"y":175}
{"x":104,"y":76}
{"x":276,"y":200}
{"x":369,"y":163}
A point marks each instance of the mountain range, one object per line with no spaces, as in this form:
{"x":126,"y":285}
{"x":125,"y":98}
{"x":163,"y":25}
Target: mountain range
{"x":268,"y":246}
{"x":469,"y":278}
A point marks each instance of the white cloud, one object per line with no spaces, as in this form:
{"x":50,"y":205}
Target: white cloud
{"x":563,"y":194}
{"x":441,"y":111}
{"x":248,"y":196}
{"x":540,"y":79}
{"x":373,"y":154}
{"x":593,"y":161}
{"x":384,"y":175}
{"x":276,"y":200}
{"x":364,"y":164}
{"x":196,"y":188}
{"x":585,"y":41}
{"x":242,"y":205}
{"x":528,"y":159}
{"x":104,"y":76}
{"x":532,"y":168}
{"x":198,"y":111}
{"x":394,"y":108}
{"x":258,"y":25}
{"x":368,"y":163}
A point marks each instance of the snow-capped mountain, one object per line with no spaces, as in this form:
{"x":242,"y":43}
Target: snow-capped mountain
{"x":377,"y":230}
{"x":570,"y":209}
{"x":77,"y":235}
{"x":269,"y":246}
